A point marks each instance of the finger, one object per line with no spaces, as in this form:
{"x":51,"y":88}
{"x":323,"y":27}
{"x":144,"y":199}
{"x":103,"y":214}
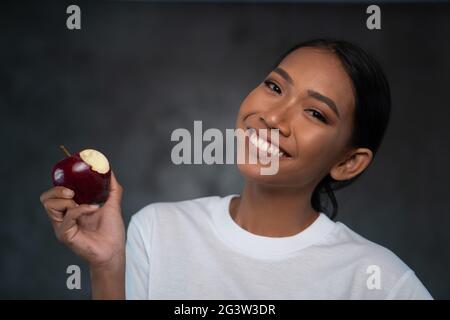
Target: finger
{"x":89,"y":222}
{"x":55,"y":216}
{"x":57,"y":192}
{"x":56,"y":208}
{"x":69,"y":227}
{"x":115,"y":192}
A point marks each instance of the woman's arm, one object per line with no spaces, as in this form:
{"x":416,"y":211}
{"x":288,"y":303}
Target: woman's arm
{"x":96,"y":234}
{"x":108,"y":282}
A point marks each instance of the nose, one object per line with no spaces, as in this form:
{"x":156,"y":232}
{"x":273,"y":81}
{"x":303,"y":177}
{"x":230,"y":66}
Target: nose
{"x":276,"y":119}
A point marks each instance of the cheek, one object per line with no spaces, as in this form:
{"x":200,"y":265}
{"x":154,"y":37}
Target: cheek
{"x":244,"y":110}
{"x":254,"y":102}
{"x":316,"y":146}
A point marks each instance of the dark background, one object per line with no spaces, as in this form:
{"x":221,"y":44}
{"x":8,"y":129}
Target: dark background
{"x":137,"y":71}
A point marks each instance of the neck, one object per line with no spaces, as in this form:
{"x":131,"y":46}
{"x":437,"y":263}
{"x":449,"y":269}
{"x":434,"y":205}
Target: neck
{"x":273,"y":211}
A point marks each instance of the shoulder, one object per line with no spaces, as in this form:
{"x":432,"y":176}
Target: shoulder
{"x":177,"y":215}
{"x":369,"y":260}
{"x":366,"y":251}
{"x":177,"y":209}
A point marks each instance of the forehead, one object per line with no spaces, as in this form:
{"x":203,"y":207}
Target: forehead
{"x":322,"y":71}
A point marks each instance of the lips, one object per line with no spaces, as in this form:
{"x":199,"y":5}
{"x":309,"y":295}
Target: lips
{"x":265,"y":144}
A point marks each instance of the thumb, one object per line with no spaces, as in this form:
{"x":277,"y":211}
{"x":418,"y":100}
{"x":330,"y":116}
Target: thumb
{"x":115,"y":192}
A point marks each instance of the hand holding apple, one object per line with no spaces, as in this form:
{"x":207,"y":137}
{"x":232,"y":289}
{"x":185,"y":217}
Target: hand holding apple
{"x":96,"y":234}
{"x":87,"y":173}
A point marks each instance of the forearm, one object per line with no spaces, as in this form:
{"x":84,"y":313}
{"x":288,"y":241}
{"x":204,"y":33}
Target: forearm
{"x":108,"y":282}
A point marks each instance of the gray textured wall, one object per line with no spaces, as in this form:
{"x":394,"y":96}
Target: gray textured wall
{"x":136,"y":71}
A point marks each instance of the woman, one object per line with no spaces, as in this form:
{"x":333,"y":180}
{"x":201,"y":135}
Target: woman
{"x":330,"y":102}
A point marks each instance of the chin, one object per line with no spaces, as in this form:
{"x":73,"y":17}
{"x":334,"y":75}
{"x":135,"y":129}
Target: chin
{"x":253,"y":172}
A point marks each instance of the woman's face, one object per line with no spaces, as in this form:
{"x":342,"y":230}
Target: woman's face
{"x":309,"y":98}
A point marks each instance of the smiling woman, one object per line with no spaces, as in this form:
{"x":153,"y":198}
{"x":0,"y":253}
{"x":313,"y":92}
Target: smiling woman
{"x":330,"y":103}
{"x":364,"y":90}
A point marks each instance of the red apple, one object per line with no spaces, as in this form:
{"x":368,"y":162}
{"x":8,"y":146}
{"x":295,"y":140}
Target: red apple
{"x":87,"y":173}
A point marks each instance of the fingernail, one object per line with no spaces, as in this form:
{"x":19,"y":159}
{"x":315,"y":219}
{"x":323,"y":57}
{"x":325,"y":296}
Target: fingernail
{"x":68,"y":192}
{"x":94,"y":206}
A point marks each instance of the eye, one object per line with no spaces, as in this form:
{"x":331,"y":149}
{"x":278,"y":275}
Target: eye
{"x":272,"y":86}
{"x":317,"y":114}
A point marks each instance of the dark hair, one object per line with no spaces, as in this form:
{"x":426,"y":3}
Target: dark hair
{"x":372,"y":108}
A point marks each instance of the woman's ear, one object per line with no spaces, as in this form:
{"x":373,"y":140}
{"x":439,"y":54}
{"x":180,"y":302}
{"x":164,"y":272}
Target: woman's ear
{"x":354,"y":163}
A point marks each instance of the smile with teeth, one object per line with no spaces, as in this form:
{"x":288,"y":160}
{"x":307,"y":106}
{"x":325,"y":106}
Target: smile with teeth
{"x":264,"y":145}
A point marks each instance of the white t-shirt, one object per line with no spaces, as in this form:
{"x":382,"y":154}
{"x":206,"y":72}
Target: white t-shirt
{"x":194,"y":249}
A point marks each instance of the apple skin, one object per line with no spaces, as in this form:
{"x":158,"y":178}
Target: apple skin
{"x":89,"y":186}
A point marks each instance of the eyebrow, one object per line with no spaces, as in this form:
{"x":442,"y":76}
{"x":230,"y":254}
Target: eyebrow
{"x":314,"y":94}
{"x":284,"y":75}
{"x":324,"y":99}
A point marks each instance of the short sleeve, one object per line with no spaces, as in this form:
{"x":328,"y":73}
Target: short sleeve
{"x":409,"y":287}
{"x":137,"y":268}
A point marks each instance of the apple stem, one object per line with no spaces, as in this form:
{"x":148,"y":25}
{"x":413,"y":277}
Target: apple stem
{"x":65,"y":150}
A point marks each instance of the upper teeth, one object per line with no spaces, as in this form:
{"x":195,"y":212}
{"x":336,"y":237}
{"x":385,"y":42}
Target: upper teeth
{"x":263,"y":144}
